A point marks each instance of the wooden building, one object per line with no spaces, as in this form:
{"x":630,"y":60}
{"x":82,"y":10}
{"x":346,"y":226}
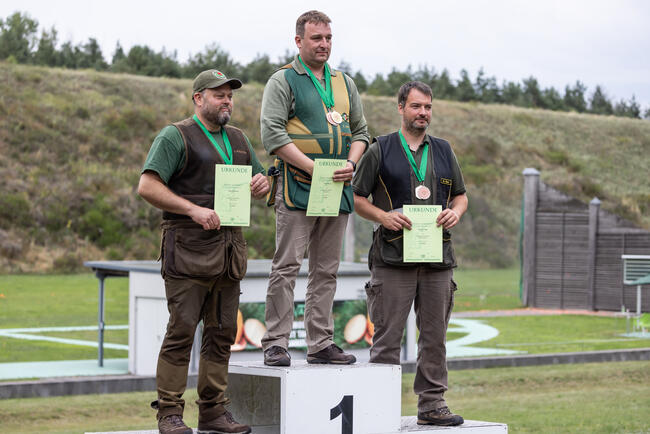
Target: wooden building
{"x":572,"y":252}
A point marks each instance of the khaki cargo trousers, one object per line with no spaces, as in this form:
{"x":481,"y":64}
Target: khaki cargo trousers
{"x":189,"y":301}
{"x":391,"y":292}
{"x":296,"y":233}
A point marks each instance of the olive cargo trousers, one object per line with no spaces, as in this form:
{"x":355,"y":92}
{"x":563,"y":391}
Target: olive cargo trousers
{"x":390,"y":293}
{"x":189,"y":301}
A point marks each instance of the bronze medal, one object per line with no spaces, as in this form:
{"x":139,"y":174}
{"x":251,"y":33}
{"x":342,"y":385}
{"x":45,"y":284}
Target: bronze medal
{"x":336,"y":117}
{"x":328,"y":116}
{"x":422,"y":192}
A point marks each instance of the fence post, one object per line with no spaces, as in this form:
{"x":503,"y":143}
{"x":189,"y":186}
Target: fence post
{"x":594,"y":207}
{"x":531,"y":186}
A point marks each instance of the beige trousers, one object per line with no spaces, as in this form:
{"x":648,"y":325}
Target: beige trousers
{"x":295,"y":234}
{"x":391,"y":292}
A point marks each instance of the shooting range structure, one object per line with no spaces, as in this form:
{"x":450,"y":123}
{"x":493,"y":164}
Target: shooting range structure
{"x":572,"y":253}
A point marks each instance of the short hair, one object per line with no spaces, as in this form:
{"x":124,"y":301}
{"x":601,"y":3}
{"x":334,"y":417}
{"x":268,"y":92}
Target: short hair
{"x":314,"y":17}
{"x":404,"y":91}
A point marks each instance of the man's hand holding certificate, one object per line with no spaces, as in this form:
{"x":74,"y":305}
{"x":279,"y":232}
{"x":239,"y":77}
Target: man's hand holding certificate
{"x":232,"y":194}
{"x":423,"y":243}
{"x":325,"y":193}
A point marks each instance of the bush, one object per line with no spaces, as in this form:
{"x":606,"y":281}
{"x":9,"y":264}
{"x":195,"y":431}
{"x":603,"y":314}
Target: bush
{"x":15,"y":210}
{"x":100,"y":224}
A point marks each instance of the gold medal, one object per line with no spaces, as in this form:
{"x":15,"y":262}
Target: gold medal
{"x":422,"y":192}
{"x":336,"y":117}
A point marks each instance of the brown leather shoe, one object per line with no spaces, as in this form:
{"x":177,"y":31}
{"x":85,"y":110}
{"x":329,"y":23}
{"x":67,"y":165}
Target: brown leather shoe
{"x":173,"y":424}
{"x":439,"y":416}
{"x":277,"y":356}
{"x":331,"y":355}
{"x":224,"y":424}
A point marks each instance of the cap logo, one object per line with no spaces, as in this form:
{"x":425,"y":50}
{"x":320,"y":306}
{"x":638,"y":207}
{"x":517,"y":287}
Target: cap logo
{"x":219,"y":74}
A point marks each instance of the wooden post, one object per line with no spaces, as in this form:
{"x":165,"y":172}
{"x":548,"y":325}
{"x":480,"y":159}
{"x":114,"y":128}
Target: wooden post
{"x":531,"y":186}
{"x":594,"y":207}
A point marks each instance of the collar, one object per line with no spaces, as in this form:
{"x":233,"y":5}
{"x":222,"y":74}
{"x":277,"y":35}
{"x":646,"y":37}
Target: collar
{"x":297,"y":66}
{"x":425,"y":141}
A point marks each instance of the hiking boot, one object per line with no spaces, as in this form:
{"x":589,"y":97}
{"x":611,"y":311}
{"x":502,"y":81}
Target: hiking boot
{"x":333,"y":355}
{"x":173,"y":424}
{"x":439,"y":416}
{"x":277,"y":356}
{"x":224,"y":424}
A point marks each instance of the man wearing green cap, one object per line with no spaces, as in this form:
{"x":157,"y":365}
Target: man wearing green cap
{"x":409,"y":167}
{"x":308,"y":111}
{"x":202,"y":262}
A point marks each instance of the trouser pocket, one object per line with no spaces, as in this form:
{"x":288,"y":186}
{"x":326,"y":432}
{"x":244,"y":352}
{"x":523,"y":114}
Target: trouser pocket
{"x":452,"y":293}
{"x":194,"y":252}
{"x":238,"y":259}
{"x":375,"y":303}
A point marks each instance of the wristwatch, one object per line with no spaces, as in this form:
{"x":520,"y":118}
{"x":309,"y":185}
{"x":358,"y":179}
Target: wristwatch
{"x":354,"y":165}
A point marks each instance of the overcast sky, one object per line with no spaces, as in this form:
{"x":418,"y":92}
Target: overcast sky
{"x":602,"y":42}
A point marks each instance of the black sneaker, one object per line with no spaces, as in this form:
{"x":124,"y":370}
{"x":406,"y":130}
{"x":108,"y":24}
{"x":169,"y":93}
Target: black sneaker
{"x":277,"y":356}
{"x":331,"y":355}
{"x":224,"y":424}
{"x":173,"y":424}
{"x":439,"y":416}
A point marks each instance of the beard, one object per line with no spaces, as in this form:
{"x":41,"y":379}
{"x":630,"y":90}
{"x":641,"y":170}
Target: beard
{"x":217,"y":116}
{"x":414,"y":128}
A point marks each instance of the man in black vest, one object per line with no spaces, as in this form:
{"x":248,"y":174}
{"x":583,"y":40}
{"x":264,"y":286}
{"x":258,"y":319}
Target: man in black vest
{"x":202,"y":262}
{"x":409,"y":167}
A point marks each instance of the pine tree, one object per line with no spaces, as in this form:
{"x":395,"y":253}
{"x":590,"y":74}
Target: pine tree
{"x":599,"y":103}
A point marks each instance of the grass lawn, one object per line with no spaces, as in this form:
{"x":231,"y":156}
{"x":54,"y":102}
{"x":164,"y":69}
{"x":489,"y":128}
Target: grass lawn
{"x":560,"y":333}
{"x":596,"y":397}
{"x":60,"y":300}
{"x":487,"y":289}
{"x":586,"y":398}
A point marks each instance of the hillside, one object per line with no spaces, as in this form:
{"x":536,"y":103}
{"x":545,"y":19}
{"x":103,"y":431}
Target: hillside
{"x":72,"y":144}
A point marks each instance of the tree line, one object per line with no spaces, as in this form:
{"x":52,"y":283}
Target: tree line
{"x":20,"y":42}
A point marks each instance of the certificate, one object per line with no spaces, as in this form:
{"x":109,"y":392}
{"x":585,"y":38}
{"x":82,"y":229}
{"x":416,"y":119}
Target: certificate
{"x":423,"y":243}
{"x":325,"y":194}
{"x":232,"y":194}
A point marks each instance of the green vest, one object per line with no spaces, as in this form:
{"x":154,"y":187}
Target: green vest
{"x":315,"y":136}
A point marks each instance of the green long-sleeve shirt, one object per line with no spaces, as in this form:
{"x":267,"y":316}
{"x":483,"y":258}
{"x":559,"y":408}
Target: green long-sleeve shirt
{"x":278,"y":104}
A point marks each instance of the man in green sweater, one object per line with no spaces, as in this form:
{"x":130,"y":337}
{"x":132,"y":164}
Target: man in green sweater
{"x":308,"y":111}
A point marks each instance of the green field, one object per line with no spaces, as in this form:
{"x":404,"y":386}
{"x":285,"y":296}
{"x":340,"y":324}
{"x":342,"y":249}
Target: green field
{"x":490,"y":289}
{"x":28,"y":301}
{"x":586,"y":398}
{"x":560,"y":333}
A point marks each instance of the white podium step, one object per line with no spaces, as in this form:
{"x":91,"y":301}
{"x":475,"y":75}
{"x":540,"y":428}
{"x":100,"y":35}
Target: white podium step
{"x":317,"y":399}
{"x":409,"y":424}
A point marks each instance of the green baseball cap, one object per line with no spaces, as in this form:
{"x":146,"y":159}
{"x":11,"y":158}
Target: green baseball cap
{"x":213,"y":78}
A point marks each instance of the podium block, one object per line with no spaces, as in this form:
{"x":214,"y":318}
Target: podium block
{"x":316,"y":399}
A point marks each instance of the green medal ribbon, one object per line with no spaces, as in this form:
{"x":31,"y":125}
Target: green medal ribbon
{"x":327,"y":95}
{"x":227,"y":158}
{"x":423,"y":163}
